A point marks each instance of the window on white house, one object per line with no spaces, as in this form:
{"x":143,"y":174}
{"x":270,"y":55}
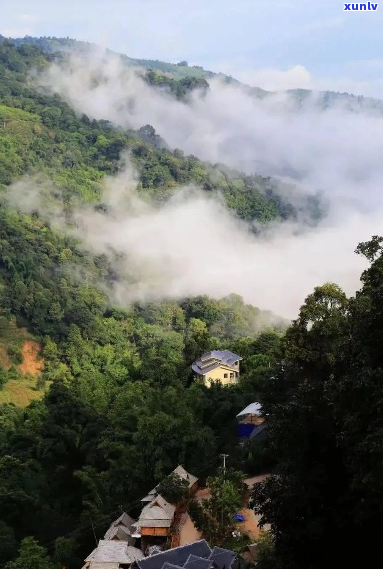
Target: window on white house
{"x":225,"y":375}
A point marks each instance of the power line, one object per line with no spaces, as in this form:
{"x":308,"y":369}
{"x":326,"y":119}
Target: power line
{"x":84,"y":529}
{"x":94,"y":533}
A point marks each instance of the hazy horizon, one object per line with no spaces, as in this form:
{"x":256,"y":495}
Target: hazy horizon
{"x":275,"y":46}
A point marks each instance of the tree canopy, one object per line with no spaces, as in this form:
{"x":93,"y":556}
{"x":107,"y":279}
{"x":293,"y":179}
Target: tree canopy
{"x":117,"y":408}
{"x":325,"y":423}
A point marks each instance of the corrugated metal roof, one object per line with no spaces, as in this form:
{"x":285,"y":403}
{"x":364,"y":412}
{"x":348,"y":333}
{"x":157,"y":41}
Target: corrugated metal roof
{"x":115,"y":552}
{"x":159,"y":513}
{"x":152,"y":494}
{"x":222,"y":557}
{"x":102,"y":565}
{"x":120,"y":532}
{"x":178,"y":470}
{"x":252,"y":409}
{"x":182,"y":473}
{"x":177,"y":556}
{"x":171,"y":566}
{"x":155,"y":523}
{"x":195,"y":562}
{"x":120,"y":527}
{"x":211,"y":360}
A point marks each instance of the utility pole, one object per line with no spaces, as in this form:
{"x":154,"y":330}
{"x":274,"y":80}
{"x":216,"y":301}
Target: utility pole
{"x":224,"y":456}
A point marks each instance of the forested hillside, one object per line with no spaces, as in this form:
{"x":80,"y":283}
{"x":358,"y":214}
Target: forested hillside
{"x":182,"y":70}
{"x":115,"y":406}
{"x":120,"y":409}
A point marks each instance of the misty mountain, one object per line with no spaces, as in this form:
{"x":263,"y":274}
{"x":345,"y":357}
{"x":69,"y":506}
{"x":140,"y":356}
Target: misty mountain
{"x":183,"y":161}
{"x":63,"y":167}
{"x":324,"y":100}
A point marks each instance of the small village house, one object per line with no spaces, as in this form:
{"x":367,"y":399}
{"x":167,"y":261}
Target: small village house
{"x":121,"y":530}
{"x":182,"y":473}
{"x":111,"y":554}
{"x":157,"y":527}
{"x":217,"y":365}
{"x":160,"y":522}
{"x":251,"y":427}
{"x":248,"y":419}
{"x":196,"y":555}
{"x":155,"y":521}
{"x":251,"y":423}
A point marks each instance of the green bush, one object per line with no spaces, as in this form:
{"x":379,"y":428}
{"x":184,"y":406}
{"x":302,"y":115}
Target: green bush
{"x":14,"y":352}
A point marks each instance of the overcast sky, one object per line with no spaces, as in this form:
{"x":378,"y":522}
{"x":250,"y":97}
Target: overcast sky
{"x":270,"y":43}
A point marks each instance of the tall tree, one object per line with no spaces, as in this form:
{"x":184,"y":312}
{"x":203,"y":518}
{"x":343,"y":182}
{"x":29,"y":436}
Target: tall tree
{"x":303,"y":500}
{"x":31,"y":556}
{"x":214,"y":516}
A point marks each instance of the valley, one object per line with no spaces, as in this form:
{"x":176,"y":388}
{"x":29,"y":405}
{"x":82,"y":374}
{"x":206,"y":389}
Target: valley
{"x":126,"y":259}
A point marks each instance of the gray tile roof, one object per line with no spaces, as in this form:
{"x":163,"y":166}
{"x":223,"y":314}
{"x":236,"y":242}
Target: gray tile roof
{"x":114,"y":552}
{"x":121,"y":533}
{"x":211,"y":360}
{"x":103,"y":565}
{"x":159,"y":513}
{"x":150,"y":496}
{"x":120,"y":528}
{"x":177,"y":556}
{"x":182,"y":473}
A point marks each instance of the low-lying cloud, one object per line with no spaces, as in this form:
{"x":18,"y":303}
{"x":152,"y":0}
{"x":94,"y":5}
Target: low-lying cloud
{"x":337,"y":150}
{"x":193,"y":245}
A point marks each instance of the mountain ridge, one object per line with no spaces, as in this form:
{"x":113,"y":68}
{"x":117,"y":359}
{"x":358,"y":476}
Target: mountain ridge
{"x":325,"y":99}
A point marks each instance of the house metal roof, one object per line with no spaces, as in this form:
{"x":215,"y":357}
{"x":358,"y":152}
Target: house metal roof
{"x":120,"y":532}
{"x":102,"y":565}
{"x":211,"y":360}
{"x":223,"y":558}
{"x":195,"y":562}
{"x":171,"y":566}
{"x":159,"y":513}
{"x":252,"y":409}
{"x":151,"y":495}
{"x":177,"y":556}
{"x":182,"y":473}
{"x":121,"y":528}
{"x":114,"y":552}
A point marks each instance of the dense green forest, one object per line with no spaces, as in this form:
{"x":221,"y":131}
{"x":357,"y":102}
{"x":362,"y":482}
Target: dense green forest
{"x":117,"y":407}
{"x":120,"y":408}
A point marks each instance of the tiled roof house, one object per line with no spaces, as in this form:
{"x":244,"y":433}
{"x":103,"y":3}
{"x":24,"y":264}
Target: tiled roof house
{"x":197,"y":555}
{"x":182,"y":473}
{"x":217,"y":365}
{"x":112,"y":555}
{"x":121,"y":529}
